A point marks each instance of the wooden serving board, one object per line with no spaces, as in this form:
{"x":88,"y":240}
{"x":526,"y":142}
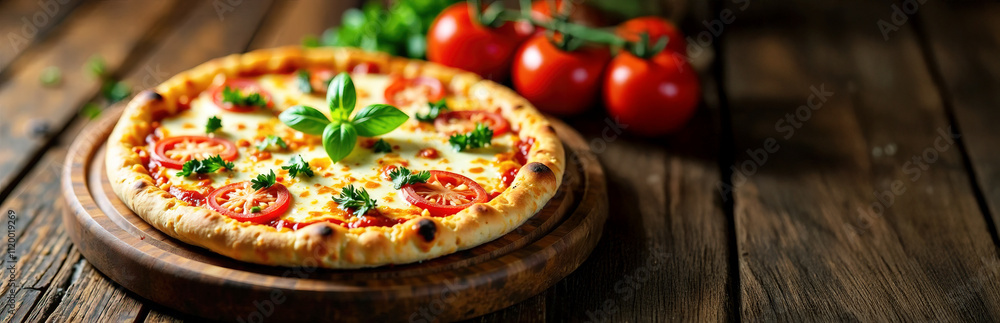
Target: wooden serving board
{"x":465,"y":284}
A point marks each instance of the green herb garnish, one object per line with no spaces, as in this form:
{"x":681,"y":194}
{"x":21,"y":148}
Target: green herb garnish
{"x":401,"y":176}
{"x":340,"y":135}
{"x":302,"y":81}
{"x":51,"y":76}
{"x":271,"y":141}
{"x":254,"y":209}
{"x":482,"y":136}
{"x":263,"y":181}
{"x":355,"y":199}
{"x":238,"y":98}
{"x":298,"y":166}
{"x":434,"y":110}
{"x":381,"y":146}
{"x":213,"y":124}
{"x":205,"y":166}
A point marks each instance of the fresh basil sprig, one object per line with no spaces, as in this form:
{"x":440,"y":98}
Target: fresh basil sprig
{"x":340,"y":134}
{"x":434,"y":109}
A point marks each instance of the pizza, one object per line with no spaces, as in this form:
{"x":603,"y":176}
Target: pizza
{"x":332,"y":157}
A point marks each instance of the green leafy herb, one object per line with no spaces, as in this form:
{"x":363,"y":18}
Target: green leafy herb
{"x":255,"y":209}
{"x":302,"y":81}
{"x":401,"y":176}
{"x":213,"y":124}
{"x":435,"y":109}
{"x":115,"y":91}
{"x":298,"y":166}
{"x":51,"y":76}
{"x":91,"y":110}
{"x":355,"y":199}
{"x":205,"y":166}
{"x":382,"y":147}
{"x":263,"y":181}
{"x":310,"y":41}
{"x":482,"y":136}
{"x":96,"y":67}
{"x":238,"y":98}
{"x":340,"y":134}
{"x":397,"y":29}
{"x":271,"y":141}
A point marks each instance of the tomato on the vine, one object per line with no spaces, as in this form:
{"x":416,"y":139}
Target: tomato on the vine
{"x":241,"y":202}
{"x":445,"y":193}
{"x":556,"y":81}
{"x":651,"y":96}
{"x":456,"y":39}
{"x":173,"y":152}
{"x":656,"y":27}
{"x":580,"y":13}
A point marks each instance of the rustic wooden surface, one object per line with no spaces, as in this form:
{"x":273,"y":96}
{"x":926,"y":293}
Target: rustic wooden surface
{"x":787,"y":242}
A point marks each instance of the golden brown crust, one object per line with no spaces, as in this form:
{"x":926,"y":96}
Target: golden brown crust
{"x":325,"y":244}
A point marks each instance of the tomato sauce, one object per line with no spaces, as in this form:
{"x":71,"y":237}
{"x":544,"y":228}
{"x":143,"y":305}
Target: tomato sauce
{"x":523,"y":148}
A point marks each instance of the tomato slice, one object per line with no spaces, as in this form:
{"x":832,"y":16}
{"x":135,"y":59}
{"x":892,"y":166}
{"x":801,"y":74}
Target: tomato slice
{"x":172,"y":152}
{"x":319,"y":78}
{"x":246,"y":86}
{"x":404,"y":92}
{"x":236,"y":201}
{"x":365,"y":68}
{"x":453,"y":122}
{"x":445,"y":193}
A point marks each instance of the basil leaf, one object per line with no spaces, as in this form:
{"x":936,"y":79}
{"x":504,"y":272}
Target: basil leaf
{"x":378,"y":119}
{"x":339,"y":139}
{"x":341,"y":96}
{"x":304,"y":119}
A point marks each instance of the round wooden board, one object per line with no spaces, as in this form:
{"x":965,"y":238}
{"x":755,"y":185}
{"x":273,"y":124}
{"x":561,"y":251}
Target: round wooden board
{"x":465,"y":284}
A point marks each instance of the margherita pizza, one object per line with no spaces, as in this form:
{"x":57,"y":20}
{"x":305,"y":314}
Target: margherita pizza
{"x":336,"y":158}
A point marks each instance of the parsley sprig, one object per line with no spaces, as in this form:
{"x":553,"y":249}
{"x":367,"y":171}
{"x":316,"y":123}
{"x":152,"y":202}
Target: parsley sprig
{"x":271,"y":141}
{"x":402,"y":176}
{"x":298,"y":166}
{"x":205,"y":166}
{"x":238,"y":98}
{"x":481,"y":136}
{"x":213,"y":124}
{"x":434,"y":109}
{"x":340,"y":134}
{"x":263,"y":181}
{"x":355,"y":199}
{"x":381,"y":146}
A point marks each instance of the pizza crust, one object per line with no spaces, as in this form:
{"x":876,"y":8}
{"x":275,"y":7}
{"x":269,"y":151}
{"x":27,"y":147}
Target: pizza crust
{"x":326,"y":244}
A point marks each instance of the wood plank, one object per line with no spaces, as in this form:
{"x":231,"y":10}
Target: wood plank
{"x":963,"y":40}
{"x":299,"y":18}
{"x":24,"y":22}
{"x":812,"y":245}
{"x":32,"y":112}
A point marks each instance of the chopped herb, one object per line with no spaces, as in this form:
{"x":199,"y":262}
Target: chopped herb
{"x":401,"y":176}
{"x":91,"y":110}
{"x":237,"y":98}
{"x":115,"y":91}
{"x":482,"y":136}
{"x":382,"y":147}
{"x":310,"y":41}
{"x":302,"y":81}
{"x":355,"y":199}
{"x":205,"y":166}
{"x":271,"y":141}
{"x":434,"y":110}
{"x":51,"y":76}
{"x":214,"y":123}
{"x":298,"y":166}
{"x":254,"y":209}
{"x":263,"y":181}
{"x":96,"y":66}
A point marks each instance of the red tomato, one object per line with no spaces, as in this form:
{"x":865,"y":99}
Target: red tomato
{"x":319,"y":78}
{"x":237,"y":199}
{"x":651,"y":97}
{"x":446,"y":193}
{"x":172,"y":152}
{"x":556,"y":81}
{"x":580,"y":13}
{"x":246,"y":86}
{"x":656,"y":27}
{"x":365,"y":68}
{"x":404,"y":92}
{"x":455,"y":39}
{"x":453,"y":122}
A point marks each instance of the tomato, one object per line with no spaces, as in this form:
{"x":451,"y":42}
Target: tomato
{"x":365,"y":68}
{"x":172,"y":152}
{"x":404,"y":91}
{"x":556,"y":81}
{"x":446,"y":193}
{"x":246,"y":86}
{"x":580,"y":13}
{"x":456,"y":39}
{"x":656,"y":27}
{"x":651,"y":97}
{"x":319,"y":79}
{"x":453,"y":122}
{"x":236,"y":200}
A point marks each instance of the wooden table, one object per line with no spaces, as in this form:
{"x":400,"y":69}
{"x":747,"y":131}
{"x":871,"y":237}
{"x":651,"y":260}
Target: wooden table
{"x":821,"y":180}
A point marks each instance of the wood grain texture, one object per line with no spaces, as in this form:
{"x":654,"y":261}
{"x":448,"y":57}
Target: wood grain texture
{"x":23,"y":22}
{"x":296,"y":19}
{"x":962,"y":39}
{"x":809,"y":248}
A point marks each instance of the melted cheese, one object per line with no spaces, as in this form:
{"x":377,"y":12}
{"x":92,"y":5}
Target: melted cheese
{"x":311,"y":196}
